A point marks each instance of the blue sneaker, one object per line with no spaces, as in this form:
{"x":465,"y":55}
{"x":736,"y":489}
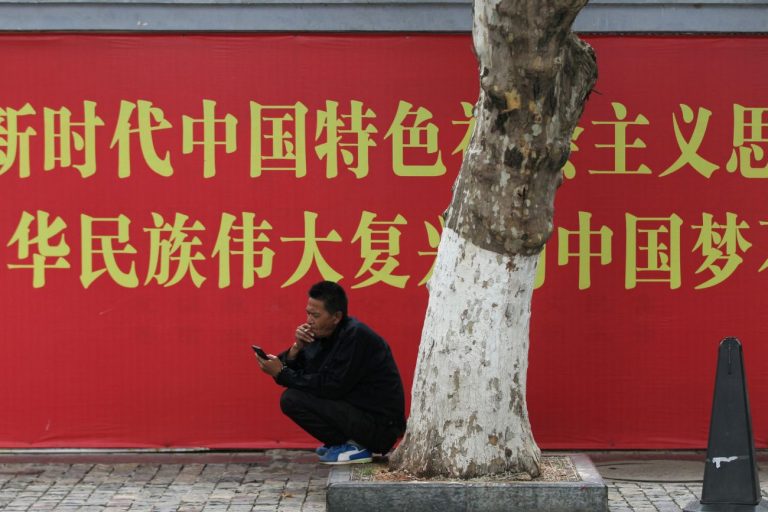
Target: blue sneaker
{"x":346,"y":454}
{"x":322,"y":449}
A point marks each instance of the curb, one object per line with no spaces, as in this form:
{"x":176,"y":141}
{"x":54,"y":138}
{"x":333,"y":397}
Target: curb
{"x":588,"y":495}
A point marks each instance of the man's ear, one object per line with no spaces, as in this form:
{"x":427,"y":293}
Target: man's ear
{"x":337,"y":316}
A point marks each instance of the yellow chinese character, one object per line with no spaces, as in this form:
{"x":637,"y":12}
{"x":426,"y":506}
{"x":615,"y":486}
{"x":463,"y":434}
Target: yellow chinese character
{"x":355,"y":137}
{"x":149,"y":119}
{"x":282,"y":150}
{"x":765,"y":263}
{"x":719,"y":245}
{"x":569,"y":170}
{"x":312,"y":252}
{"x":408,"y":135}
{"x":584,"y":250}
{"x":379,"y":246}
{"x":620,"y":145}
{"x":209,"y":140}
{"x":61,"y":138}
{"x":14,"y":143}
{"x":45,"y":242}
{"x":541,"y":266}
{"x":106,"y":249}
{"x":470,"y":122}
{"x":247,"y":241}
{"x":662,"y":250}
{"x":689,"y":148}
{"x":170,"y":244}
{"x":748,"y":135}
{"x":433,"y":237}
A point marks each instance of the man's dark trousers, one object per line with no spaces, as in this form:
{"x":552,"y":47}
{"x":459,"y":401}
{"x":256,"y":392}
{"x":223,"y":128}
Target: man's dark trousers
{"x":335,"y":422}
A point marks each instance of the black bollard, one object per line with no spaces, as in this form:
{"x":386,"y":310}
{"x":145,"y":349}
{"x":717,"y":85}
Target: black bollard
{"x":731,"y":482}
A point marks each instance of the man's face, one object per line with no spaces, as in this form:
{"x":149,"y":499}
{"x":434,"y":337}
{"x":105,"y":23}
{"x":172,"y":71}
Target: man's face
{"x":320,"y":321}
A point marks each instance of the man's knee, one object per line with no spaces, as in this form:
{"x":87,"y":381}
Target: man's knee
{"x":292,"y":401}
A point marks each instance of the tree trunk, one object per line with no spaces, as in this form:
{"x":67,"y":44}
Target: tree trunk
{"x":468,"y":413}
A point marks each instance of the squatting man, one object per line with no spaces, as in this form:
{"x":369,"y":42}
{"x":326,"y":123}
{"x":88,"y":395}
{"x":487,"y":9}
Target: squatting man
{"x":343,"y":386}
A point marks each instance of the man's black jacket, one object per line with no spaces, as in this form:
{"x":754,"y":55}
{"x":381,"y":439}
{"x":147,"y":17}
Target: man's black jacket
{"x":354,"y":364}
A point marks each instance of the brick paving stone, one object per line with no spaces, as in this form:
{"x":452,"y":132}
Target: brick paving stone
{"x":271,"y":481}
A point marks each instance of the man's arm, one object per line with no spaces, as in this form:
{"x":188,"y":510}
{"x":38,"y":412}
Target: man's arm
{"x":302,"y":337}
{"x":289,"y":358}
{"x":343,"y":369}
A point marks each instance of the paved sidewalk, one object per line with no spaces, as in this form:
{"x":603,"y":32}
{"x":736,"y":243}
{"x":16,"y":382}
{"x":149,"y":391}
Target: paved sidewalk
{"x":277,"y":481}
{"x":656,"y":481}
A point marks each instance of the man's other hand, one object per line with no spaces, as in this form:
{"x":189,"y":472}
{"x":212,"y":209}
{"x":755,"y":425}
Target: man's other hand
{"x":271,"y":366}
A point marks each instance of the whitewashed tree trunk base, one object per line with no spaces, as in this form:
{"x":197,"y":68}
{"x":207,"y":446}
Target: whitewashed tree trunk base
{"x":475,"y":340}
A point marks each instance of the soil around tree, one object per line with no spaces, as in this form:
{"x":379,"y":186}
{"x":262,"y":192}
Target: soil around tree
{"x":554,"y":468}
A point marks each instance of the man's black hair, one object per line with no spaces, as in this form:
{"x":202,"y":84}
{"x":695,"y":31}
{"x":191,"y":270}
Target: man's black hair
{"x":332,"y":296}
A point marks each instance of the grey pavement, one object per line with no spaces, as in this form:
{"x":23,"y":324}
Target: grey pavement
{"x":279,"y":481}
{"x":652,"y":481}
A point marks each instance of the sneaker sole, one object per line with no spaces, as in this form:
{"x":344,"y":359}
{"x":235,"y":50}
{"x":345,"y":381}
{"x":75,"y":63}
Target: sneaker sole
{"x":356,"y":461}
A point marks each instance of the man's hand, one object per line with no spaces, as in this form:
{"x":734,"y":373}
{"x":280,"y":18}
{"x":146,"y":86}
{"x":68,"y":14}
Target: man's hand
{"x":271,"y":366}
{"x":304,"y":336}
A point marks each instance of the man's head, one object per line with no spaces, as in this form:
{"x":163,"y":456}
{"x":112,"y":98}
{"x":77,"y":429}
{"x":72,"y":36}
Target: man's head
{"x":326,"y":307}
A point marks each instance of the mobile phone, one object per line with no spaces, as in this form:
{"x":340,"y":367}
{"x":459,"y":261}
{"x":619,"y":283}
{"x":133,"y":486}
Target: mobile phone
{"x":259,"y":352}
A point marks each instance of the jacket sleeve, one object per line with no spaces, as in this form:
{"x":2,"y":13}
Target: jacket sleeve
{"x":296,"y":364}
{"x":340,"y":372}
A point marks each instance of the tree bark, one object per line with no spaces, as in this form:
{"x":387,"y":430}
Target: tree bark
{"x":469,"y":415}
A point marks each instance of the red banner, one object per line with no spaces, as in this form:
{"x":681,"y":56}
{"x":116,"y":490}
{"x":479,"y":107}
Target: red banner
{"x":168,"y":200}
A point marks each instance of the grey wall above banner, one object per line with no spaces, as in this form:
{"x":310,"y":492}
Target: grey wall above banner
{"x":600,"y":16}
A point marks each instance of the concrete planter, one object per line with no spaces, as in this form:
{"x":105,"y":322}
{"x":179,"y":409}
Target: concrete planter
{"x":347,"y":494}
